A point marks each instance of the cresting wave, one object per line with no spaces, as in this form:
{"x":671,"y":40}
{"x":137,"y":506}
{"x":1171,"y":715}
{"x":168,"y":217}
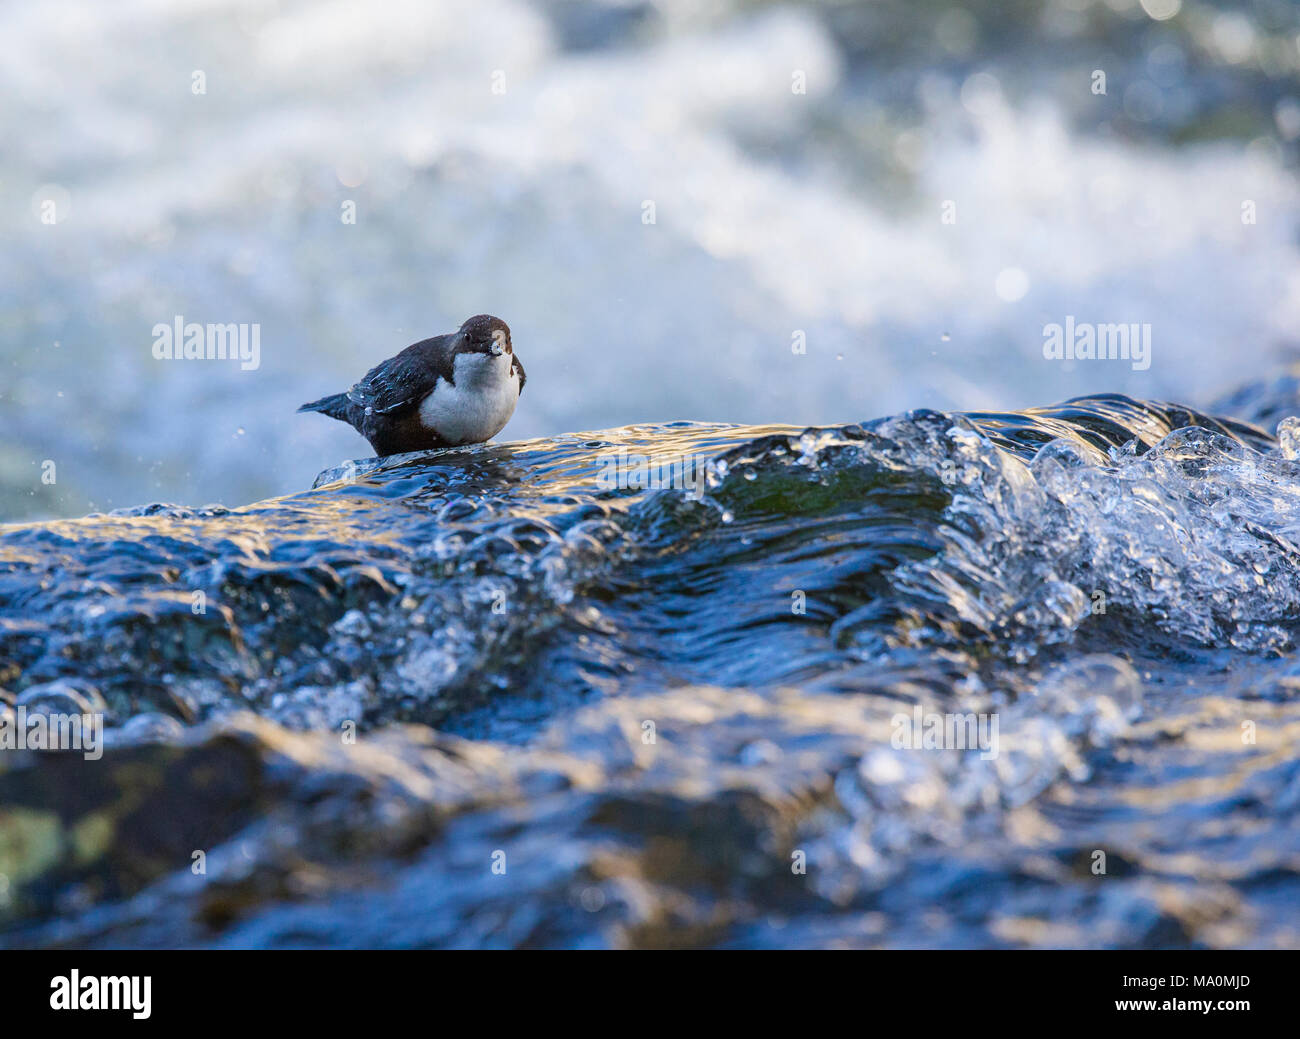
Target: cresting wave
{"x":675,"y":713}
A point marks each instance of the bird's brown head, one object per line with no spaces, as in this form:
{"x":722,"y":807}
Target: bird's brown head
{"x":485,"y":334}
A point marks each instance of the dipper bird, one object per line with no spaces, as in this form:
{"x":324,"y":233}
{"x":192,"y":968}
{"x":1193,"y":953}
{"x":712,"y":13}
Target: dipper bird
{"x":453,"y":389}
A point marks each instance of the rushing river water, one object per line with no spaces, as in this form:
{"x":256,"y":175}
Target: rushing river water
{"x":524,"y":694}
{"x":510,"y":696}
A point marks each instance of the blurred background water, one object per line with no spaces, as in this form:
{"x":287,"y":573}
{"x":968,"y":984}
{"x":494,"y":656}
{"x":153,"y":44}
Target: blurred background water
{"x":500,"y":155}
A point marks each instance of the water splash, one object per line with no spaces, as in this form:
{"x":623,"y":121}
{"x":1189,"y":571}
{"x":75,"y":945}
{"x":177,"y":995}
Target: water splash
{"x":679,"y":715}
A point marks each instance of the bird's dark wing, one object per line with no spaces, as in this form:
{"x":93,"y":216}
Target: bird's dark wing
{"x":405,"y":380}
{"x":519,"y":367}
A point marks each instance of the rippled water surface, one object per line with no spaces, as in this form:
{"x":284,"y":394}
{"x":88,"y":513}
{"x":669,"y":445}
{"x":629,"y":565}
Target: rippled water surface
{"x":594,"y":715}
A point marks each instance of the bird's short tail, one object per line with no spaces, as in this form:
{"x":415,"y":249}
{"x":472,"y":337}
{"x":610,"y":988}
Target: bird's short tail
{"x":335,"y":406}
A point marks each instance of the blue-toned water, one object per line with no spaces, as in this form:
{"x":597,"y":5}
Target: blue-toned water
{"x":670,"y":683}
{"x":947,"y":184}
{"x":592,"y":714}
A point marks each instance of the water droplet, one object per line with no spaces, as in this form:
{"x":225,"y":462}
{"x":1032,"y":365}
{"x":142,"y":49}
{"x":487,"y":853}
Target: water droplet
{"x":1011,"y":284}
{"x":1288,"y":436}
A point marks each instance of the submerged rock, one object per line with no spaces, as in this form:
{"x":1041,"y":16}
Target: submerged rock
{"x":516,"y":695}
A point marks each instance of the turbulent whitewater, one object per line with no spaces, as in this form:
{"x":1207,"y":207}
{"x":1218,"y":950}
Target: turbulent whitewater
{"x":488,"y":697}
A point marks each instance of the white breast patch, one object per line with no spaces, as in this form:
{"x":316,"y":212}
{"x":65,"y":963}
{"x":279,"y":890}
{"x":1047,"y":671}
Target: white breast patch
{"x":478,"y":405}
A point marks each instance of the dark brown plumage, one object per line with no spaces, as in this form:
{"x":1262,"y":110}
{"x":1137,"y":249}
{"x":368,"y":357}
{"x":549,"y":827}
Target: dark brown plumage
{"x":411,"y":402}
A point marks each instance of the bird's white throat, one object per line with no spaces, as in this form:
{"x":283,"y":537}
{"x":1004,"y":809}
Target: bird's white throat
{"x":480,"y":402}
